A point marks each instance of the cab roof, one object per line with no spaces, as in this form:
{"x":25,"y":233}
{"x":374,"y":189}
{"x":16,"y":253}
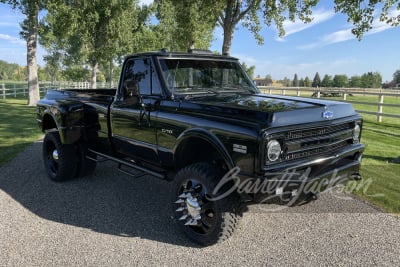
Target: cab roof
{"x":192,"y":53}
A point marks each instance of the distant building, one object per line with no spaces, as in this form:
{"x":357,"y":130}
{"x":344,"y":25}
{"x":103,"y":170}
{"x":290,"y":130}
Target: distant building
{"x":262,"y":82}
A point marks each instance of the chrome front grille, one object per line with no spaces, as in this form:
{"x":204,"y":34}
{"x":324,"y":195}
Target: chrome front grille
{"x":315,"y":132}
{"x":310,"y":142}
{"x":315,"y":151}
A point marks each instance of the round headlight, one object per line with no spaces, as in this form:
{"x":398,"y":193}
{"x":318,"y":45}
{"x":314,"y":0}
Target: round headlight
{"x":274,"y":150}
{"x":356,"y":133}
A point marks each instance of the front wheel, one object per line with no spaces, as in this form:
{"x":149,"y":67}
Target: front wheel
{"x":60,"y":160}
{"x":203,"y":220}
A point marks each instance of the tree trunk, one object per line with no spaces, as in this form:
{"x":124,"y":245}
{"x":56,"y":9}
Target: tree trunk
{"x":227,"y":44}
{"x":111,"y":73}
{"x":95,"y":66}
{"x":31,"y":44}
{"x":228,"y":27}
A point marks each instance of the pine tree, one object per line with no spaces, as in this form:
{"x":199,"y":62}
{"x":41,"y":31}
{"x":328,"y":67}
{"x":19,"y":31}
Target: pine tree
{"x":317,"y":81}
{"x":295,"y":81}
{"x":326,"y":81}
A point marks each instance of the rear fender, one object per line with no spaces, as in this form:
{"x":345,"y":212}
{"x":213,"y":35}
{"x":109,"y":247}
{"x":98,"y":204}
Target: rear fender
{"x":66,"y":118}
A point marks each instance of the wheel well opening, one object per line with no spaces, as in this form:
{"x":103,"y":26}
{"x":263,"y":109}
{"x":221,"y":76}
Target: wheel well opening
{"x":193,"y":150}
{"x":48,"y":123}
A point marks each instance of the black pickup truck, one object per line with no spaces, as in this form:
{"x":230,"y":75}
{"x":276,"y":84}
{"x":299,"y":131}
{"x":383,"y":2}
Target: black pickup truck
{"x":197,"y":119}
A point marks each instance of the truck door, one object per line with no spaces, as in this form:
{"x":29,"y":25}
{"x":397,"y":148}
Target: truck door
{"x":133,"y":113}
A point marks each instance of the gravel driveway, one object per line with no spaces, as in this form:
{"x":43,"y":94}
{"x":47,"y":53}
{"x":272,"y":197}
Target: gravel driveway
{"x":110,"y":219}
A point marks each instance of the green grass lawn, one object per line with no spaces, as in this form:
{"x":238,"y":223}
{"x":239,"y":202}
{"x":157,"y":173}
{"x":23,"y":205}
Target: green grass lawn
{"x":18,"y":127}
{"x":380,"y":186}
{"x":381,"y":175}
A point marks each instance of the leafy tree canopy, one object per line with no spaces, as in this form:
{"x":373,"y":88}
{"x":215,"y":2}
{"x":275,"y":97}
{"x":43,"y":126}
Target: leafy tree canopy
{"x":362,"y":13}
{"x":249,"y":70}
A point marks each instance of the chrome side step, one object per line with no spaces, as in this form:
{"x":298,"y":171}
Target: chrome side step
{"x":121,"y":163}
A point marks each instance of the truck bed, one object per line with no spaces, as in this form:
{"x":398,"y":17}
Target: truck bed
{"x":84,"y":95}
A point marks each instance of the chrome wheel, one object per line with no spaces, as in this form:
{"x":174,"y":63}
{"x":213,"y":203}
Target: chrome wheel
{"x":204,"y":221}
{"x":194,"y":209}
{"x":51,"y":157}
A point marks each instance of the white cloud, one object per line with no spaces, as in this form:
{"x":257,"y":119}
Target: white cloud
{"x":280,"y":70}
{"x":319,"y":16}
{"x":346,"y":34}
{"x":11,"y":39}
{"x":379,"y":26}
{"x":249,"y":60}
{"x":332,"y":38}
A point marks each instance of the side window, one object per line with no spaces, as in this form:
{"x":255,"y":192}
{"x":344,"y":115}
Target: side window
{"x":140,"y":78}
{"x":155,"y":84}
{"x":137,"y":78}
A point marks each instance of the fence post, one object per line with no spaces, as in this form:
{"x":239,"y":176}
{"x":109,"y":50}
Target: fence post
{"x":344,"y":96}
{"x":4,"y":90}
{"x":319,"y":94}
{"x":380,"y":108}
{"x":15,"y":92}
{"x":298,"y":91}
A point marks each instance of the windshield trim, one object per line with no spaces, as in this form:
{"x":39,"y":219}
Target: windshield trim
{"x":241,"y":81}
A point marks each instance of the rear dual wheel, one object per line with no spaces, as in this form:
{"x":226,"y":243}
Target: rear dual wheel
{"x":63,"y":162}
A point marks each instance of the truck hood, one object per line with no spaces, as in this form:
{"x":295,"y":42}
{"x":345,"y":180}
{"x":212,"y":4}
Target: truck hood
{"x":270,"y":110}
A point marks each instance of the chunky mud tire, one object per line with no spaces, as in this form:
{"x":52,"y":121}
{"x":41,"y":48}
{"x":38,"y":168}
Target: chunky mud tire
{"x":204,"y":221}
{"x":60,"y":160}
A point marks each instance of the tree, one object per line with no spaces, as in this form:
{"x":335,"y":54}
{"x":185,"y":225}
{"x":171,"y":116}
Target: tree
{"x":301,"y":83}
{"x":340,"y":81}
{"x":247,"y":12}
{"x":249,"y":70}
{"x":362,"y":13}
{"x":92,"y":32}
{"x":307,"y":82}
{"x":286,"y":82}
{"x":295,"y":80}
{"x":268,"y":79}
{"x":53,"y":65}
{"x":396,"y":76}
{"x":355,"y":82}
{"x":326,"y":81}
{"x":186,"y":23}
{"x":233,"y":11}
{"x":371,"y":80}
{"x":11,"y":71}
{"x":316,"y":81}
{"x":30,"y":8}
{"x":76,"y":73}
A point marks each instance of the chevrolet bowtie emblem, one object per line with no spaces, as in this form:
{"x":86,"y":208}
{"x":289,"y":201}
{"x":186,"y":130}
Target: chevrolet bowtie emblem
{"x":327,"y":114}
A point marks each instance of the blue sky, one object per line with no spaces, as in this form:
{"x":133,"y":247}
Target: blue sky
{"x":326,"y":46}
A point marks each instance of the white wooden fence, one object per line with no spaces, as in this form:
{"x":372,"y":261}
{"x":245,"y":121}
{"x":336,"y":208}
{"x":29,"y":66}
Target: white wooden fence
{"x":18,"y":90}
{"x":14,"y":90}
{"x":344,"y":93}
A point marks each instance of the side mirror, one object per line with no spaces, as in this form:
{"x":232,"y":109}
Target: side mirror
{"x":131,"y":88}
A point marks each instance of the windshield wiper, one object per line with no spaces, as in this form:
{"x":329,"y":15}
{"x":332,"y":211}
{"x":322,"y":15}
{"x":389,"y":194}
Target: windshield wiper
{"x":195,"y":94}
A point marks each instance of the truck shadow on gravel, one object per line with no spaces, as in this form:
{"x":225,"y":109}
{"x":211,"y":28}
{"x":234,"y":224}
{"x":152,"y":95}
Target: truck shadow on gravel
{"x":107,"y":202}
{"x":113,"y":203}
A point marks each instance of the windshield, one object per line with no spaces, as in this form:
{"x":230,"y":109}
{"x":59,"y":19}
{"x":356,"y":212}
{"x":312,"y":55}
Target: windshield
{"x":199,"y":76}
